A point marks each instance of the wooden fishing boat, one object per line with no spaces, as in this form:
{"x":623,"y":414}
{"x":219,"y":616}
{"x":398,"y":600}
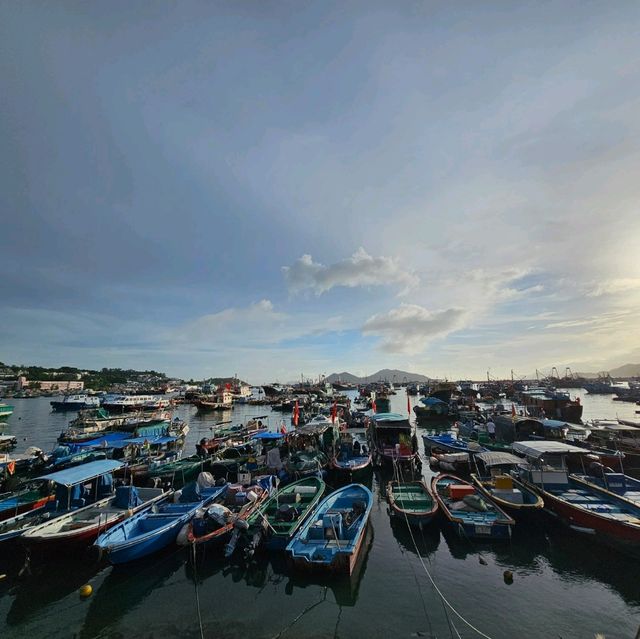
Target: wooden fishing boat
{"x":353,"y":455}
{"x":586,"y":508}
{"x":69,"y":495}
{"x":332,"y":537}
{"x":154,"y":529}
{"x":412,"y":502}
{"x":280,"y":517}
{"x":471,"y":514}
{"x":82,"y":526}
{"x":32,"y":497}
{"x":494,"y":480}
{"x":393,"y":441}
{"x":216,"y":524}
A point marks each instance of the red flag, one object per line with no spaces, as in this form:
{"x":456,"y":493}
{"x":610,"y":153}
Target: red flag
{"x":334,"y":412}
{"x":408,"y":404}
{"x":283,"y":428}
{"x":373,"y":406}
{"x":296,"y":413}
{"x":227,"y":386}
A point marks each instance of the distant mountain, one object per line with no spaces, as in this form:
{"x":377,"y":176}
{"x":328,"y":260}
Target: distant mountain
{"x":384,"y":375}
{"x":628,"y":370}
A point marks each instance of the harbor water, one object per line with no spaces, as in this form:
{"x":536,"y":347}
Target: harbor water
{"x":410,"y":584}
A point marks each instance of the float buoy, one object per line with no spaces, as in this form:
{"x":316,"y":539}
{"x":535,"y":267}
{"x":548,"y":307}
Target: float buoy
{"x":86,"y":591}
{"x":508,"y":577}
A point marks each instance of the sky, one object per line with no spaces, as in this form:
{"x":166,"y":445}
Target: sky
{"x":277,"y":189}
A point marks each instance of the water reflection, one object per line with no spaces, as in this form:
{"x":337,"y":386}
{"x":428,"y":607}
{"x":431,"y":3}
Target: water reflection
{"x":47,"y":583}
{"x":273,"y":569}
{"x":127,"y":586}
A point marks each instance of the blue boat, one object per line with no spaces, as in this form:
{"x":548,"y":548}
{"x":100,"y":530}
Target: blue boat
{"x":472,"y":514}
{"x":332,"y":538}
{"x":448,"y":443}
{"x":155,"y":528}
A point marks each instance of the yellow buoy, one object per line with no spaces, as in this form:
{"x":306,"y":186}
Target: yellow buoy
{"x":86,"y":591}
{"x":508,"y":577}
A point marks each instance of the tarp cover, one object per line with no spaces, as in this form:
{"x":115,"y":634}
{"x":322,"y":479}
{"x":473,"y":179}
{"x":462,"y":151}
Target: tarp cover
{"x":539,"y":448}
{"x":497,"y":458}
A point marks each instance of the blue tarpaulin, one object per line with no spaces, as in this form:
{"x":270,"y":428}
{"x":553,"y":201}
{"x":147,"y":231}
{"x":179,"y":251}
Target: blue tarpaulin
{"x":105,"y":440}
{"x":268,"y":436}
{"x":83,"y":472}
{"x":432,"y":401}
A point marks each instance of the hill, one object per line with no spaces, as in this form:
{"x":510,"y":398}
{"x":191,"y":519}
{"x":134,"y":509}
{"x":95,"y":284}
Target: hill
{"x":628,"y":370}
{"x":386,"y":374}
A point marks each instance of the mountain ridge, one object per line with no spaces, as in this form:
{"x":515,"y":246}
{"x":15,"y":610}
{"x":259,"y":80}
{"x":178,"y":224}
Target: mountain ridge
{"x":384,"y":374}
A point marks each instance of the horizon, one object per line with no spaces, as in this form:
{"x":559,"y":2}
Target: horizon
{"x":273,"y":189}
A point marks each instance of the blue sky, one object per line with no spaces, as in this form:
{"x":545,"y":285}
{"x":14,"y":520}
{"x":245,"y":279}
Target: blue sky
{"x":272,"y":189}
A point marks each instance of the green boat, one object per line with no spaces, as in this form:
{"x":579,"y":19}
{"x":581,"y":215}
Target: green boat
{"x":180,"y":472}
{"x":280,"y":517}
{"x":412,"y":502}
{"x":5,"y":411}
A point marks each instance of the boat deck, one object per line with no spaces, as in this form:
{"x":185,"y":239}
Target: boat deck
{"x":586,"y":500}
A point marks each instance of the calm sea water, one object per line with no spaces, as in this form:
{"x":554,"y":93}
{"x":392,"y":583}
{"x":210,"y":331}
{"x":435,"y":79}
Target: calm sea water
{"x":563,"y":585}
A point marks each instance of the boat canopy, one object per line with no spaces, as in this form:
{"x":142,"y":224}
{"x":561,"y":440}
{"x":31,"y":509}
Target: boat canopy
{"x":498,"y":458}
{"x":390,"y":420}
{"x":539,"y":448}
{"x":83,"y":472}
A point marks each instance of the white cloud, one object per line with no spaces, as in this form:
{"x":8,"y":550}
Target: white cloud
{"x":410,"y":327}
{"x":256,"y":323}
{"x":614,"y":286}
{"x":361,"y":269}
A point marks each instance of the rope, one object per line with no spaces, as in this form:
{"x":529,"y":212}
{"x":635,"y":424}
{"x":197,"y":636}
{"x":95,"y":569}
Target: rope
{"x":302,"y":614}
{"x":195,"y":584}
{"x":442,"y":597}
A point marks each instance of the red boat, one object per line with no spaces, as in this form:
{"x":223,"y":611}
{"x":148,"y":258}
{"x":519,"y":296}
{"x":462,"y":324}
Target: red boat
{"x":585,"y":508}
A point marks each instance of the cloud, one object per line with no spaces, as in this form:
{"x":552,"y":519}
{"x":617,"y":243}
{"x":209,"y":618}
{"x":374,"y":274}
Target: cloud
{"x":361,"y":269}
{"x":410,"y":327}
{"x":614,"y":286}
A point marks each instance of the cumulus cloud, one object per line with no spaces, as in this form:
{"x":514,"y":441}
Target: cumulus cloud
{"x":361,"y":269}
{"x":410,"y":327}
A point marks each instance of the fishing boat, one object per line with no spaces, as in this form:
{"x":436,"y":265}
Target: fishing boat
{"x":412,"y":502}
{"x":217,"y":523}
{"x":69,"y":495}
{"x":5,"y":411}
{"x":277,"y":520}
{"x":32,"y":496}
{"x":332,"y":537}
{"x":156,"y":527}
{"x":128,"y":403}
{"x":543,"y":402}
{"x":8,"y":442}
{"x":495,"y":481}
{"x":82,"y":526}
{"x":471,"y":514}
{"x":354,"y":454}
{"x":449,"y":443}
{"x":432,"y":409}
{"x":221,"y":400}
{"x":393,"y":441}
{"x":584,"y":507}
{"x":179,"y":472}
